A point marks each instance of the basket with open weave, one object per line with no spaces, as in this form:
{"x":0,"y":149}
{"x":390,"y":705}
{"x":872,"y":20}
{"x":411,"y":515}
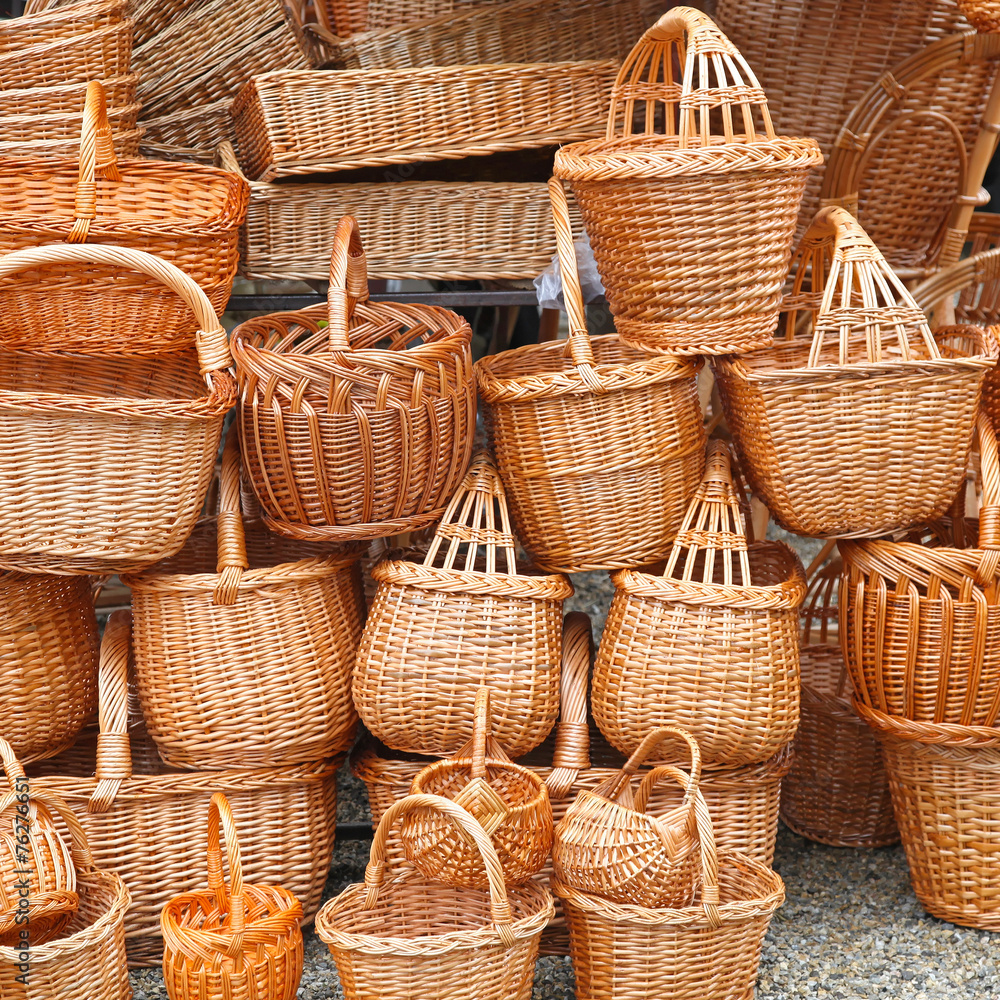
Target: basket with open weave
{"x":690,"y":200}
{"x":983,"y":15}
{"x":470,"y":613}
{"x":599,"y":446}
{"x":711,"y":643}
{"x":362,"y":427}
{"x":840,"y":426}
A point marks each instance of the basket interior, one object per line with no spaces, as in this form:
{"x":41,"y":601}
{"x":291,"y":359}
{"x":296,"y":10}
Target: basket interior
{"x":448,"y":778}
{"x":771,"y":565}
{"x":553,"y":357}
{"x":200,"y":911}
{"x":824,"y":671}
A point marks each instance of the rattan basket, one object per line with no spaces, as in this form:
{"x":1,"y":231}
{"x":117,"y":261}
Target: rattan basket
{"x":691,"y":217}
{"x":983,"y":15}
{"x":106,"y":462}
{"x":232,"y":941}
{"x":387,"y":13}
{"x":301,"y":122}
{"x":468,"y":614}
{"x":57,"y":133}
{"x":67,"y":99}
{"x":192,"y":135}
{"x":711,"y":644}
{"x":59,"y":24}
{"x":149,"y":823}
{"x":210,"y":698}
{"x":405,"y":936}
{"x":362,"y":427}
{"x":837,"y":790}
{"x":599,"y":447}
{"x":840,"y":427}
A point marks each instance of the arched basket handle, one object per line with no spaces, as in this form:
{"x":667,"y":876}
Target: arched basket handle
{"x":572,"y":751}
{"x":348,"y":281}
{"x":220,"y":817}
{"x":97,"y":156}
{"x":231,"y":539}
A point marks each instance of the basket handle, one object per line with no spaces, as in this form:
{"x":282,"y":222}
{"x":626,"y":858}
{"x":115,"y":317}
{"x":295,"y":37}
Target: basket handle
{"x":83,"y":859}
{"x":989,"y":467}
{"x":348,"y":281}
{"x":13,"y":768}
{"x":652,"y":741}
{"x":652,"y":778}
{"x":210,"y":337}
{"x":572,"y":752}
{"x":500,"y":908}
{"x":231,"y":540}
{"x":220,"y":816}
{"x":482,"y":723}
{"x":97,"y":155}
{"x":114,"y":752}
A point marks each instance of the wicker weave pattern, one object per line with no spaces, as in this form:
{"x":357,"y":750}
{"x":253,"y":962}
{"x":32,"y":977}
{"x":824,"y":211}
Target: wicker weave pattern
{"x":386,"y":13}
{"x":66,"y":99}
{"x":192,"y":135}
{"x":983,"y":15}
{"x":64,"y":23}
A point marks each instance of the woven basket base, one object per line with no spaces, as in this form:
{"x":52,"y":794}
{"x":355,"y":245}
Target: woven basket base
{"x":353,"y":532}
{"x":749,"y":333}
{"x":823,"y":838}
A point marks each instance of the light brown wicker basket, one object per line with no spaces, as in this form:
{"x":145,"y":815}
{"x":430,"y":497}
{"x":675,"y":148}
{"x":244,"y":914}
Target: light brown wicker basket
{"x":405,"y":936}
{"x":301,"y":122}
{"x":983,"y":15}
{"x":387,"y":13}
{"x":149,"y":823}
{"x":469,"y":614}
{"x":356,"y":420}
{"x":66,"y":98}
{"x":839,"y":426}
{"x":59,"y":24}
{"x":192,"y":135}
{"x":599,"y":446}
{"x":248,"y":665}
{"x":691,"y":217}
{"x":711,"y":644}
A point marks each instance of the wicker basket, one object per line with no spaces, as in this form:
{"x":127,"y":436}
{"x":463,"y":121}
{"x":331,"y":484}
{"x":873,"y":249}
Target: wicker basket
{"x":467,"y":615}
{"x":343,"y":439}
{"x":301,"y":122}
{"x":149,"y":823}
{"x":57,"y":135}
{"x":213,"y":700}
{"x":407,"y":937}
{"x":48,"y":656}
{"x":67,"y":99}
{"x":60,"y":24}
{"x":710,"y":645}
{"x":692,"y":218}
{"x":866,"y":382}
{"x":983,"y":15}
{"x":107,"y":462}
{"x":510,"y":802}
{"x":192,"y":135}
{"x":599,"y":447}
{"x":387,"y":13}
{"x":231,"y":941}
{"x":837,"y":790}
{"x":608,"y":845}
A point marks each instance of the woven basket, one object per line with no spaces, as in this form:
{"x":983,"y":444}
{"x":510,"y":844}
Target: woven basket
{"x":691,"y":218}
{"x":149,"y":823}
{"x":360,"y":429}
{"x":387,"y":13}
{"x":510,"y":802}
{"x":599,"y":447}
{"x":983,"y":15}
{"x":231,"y":941}
{"x":301,"y":122}
{"x":107,"y":462}
{"x":710,"y":645}
{"x":187,"y":215}
{"x":467,"y":615}
{"x":57,"y":135}
{"x":407,"y":937}
{"x":193,"y":135}
{"x":865,"y":382}
{"x":837,"y":790}
{"x":60,"y":24}
{"x":67,"y":99}
{"x":48,"y":656}
{"x":210,"y":698}
{"x":608,"y":845}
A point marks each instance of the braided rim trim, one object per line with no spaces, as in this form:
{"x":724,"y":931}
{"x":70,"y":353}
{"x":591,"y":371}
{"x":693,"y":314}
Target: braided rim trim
{"x":401,"y":572}
{"x":352,"y":532}
{"x":941,"y":733}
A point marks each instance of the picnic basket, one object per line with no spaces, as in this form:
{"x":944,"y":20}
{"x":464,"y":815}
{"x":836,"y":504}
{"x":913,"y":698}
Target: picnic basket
{"x":826,"y":421}
{"x":107,"y":460}
{"x":599,"y":446}
{"x":234,"y":940}
{"x":510,"y":802}
{"x":48,"y":656}
{"x":406,"y":936}
{"x":921,"y":633}
{"x":362,"y":427}
{"x":711,"y":643}
{"x":837,"y":790}
{"x":148,"y":822}
{"x":609,"y":846}
{"x":683,"y":276}
{"x":211,"y":699}
{"x":469,"y":614}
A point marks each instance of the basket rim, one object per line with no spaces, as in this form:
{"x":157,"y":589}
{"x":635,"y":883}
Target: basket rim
{"x":449,"y":764}
{"x":23,"y":53}
{"x":941,"y":734}
{"x":54,"y":88}
{"x":283,"y":908}
{"x":408,"y":573}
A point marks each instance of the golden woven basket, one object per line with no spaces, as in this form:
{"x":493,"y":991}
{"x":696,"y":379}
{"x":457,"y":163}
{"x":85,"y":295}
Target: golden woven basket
{"x":388,"y":13}
{"x":468,"y":614}
{"x":692,"y":217}
{"x":839,"y":426}
{"x":983,"y":15}
{"x":599,"y":447}
{"x":67,"y":99}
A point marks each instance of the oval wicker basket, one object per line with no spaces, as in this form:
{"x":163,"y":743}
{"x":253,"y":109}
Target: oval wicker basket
{"x":361,"y":428}
{"x":599,"y":447}
{"x":469,"y":614}
{"x":211,"y":699}
{"x":711,"y":644}
{"x":839,"y":428}
{"x":682,"y":276}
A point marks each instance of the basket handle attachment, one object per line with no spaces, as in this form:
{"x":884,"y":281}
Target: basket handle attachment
{"x":500,"y":908}
{"x":220,"y":817}
{"x":231,"y":540}
{"x":211,"y":341}
{"x":348,"y":281}
{"x":97,"y":156}
{"x":572,"y":751}
{"x":715,"y":78}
